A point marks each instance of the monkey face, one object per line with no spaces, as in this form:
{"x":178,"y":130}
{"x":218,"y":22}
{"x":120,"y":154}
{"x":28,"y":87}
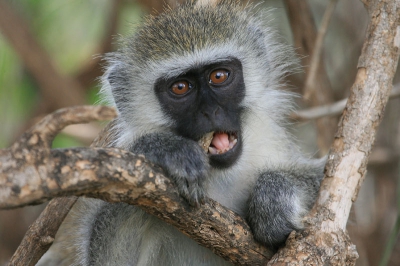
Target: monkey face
{"x":207,"y":100}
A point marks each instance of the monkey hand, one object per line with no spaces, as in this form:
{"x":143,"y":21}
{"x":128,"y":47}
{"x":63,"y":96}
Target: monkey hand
{"x":276,"y":207}
{"x":182,"y":159}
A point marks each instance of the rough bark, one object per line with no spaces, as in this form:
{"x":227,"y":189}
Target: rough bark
{"x":41,"y":233}
{"x":31,"y":173}
{"x":31,"y":248}
{"x":325,"y":241}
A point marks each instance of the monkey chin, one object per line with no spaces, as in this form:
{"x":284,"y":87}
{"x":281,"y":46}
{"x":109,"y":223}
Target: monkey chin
{"x":223,"y":148}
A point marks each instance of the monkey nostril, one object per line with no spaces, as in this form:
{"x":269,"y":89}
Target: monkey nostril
{"x":206,"y":114}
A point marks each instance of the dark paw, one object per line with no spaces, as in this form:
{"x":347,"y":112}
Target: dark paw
{"x":182,"y":159}
{"x":192,"y":191}
{"x":274,"y":210}
{"x":189,"y":170}
{"x":272,"y":234}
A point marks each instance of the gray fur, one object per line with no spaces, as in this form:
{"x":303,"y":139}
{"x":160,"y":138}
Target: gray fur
{"x":272,"y":183}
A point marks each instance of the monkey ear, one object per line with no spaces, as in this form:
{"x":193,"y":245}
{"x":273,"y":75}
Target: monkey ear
{"x":112,"y":75}
{"x":117,"y":78}
{"x":115,"y":84}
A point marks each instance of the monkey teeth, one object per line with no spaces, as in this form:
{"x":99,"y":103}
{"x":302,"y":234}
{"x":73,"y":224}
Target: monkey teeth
{"x":218,"y":142}
{"x":221,"y":143}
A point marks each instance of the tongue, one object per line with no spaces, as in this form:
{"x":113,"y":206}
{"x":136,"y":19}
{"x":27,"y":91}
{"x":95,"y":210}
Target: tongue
{"x":221,"y":141}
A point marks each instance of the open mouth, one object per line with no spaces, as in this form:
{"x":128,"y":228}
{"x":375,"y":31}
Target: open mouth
{"x":215,"y":143}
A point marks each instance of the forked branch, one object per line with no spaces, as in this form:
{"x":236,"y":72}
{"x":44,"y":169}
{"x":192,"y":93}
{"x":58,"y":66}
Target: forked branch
{"x":325,"y":240}
{"x":31,"y":173}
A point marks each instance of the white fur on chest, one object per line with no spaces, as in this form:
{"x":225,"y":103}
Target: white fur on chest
{"x":264,"y":147}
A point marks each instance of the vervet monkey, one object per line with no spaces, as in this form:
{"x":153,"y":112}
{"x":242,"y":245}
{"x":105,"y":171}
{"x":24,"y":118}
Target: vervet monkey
{"x":210,"y":69}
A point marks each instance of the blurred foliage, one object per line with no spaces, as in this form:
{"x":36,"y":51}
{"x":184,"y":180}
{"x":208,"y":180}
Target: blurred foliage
{"x":17,"y":92}
{"x":70,"y":32}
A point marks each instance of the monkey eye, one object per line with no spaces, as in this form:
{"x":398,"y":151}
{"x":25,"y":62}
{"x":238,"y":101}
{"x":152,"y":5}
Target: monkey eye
{"x":219,"y":76}
{"x":181,"y":87}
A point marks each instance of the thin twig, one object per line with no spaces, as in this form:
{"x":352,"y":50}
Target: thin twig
{"x":320,"y":111}
{"x":207,"y":2}
{"x":331,"y":109}
{"x":309,"y":87}
{"x":304,"y":33}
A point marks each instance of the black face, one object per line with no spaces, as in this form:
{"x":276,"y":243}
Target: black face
{"x":207,"y":99}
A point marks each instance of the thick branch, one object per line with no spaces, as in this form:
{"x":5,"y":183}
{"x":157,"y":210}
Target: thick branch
{"x":348,"y":158}
{"x":119,"y":176}
{"x":31,"y":173}
{"x":41,"y":233}
{"x":325,"y":241}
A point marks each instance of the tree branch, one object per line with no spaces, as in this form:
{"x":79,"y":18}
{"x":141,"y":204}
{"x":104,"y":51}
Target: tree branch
{"x":325,"y":240}
{"x":331,"y":109}
{"x":41,"y":233}
{"x":31,"y":173}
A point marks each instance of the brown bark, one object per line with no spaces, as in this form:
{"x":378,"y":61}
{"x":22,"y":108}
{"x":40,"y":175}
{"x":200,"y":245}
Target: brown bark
{"x":32,"y":173}
{"x":41,"y":233}
{"x":45,"y":227}
{"x":325,"y":241}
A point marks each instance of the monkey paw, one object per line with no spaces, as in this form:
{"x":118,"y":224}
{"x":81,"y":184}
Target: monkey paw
{"x":274,"y":209}
{"x":182,"y":159}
